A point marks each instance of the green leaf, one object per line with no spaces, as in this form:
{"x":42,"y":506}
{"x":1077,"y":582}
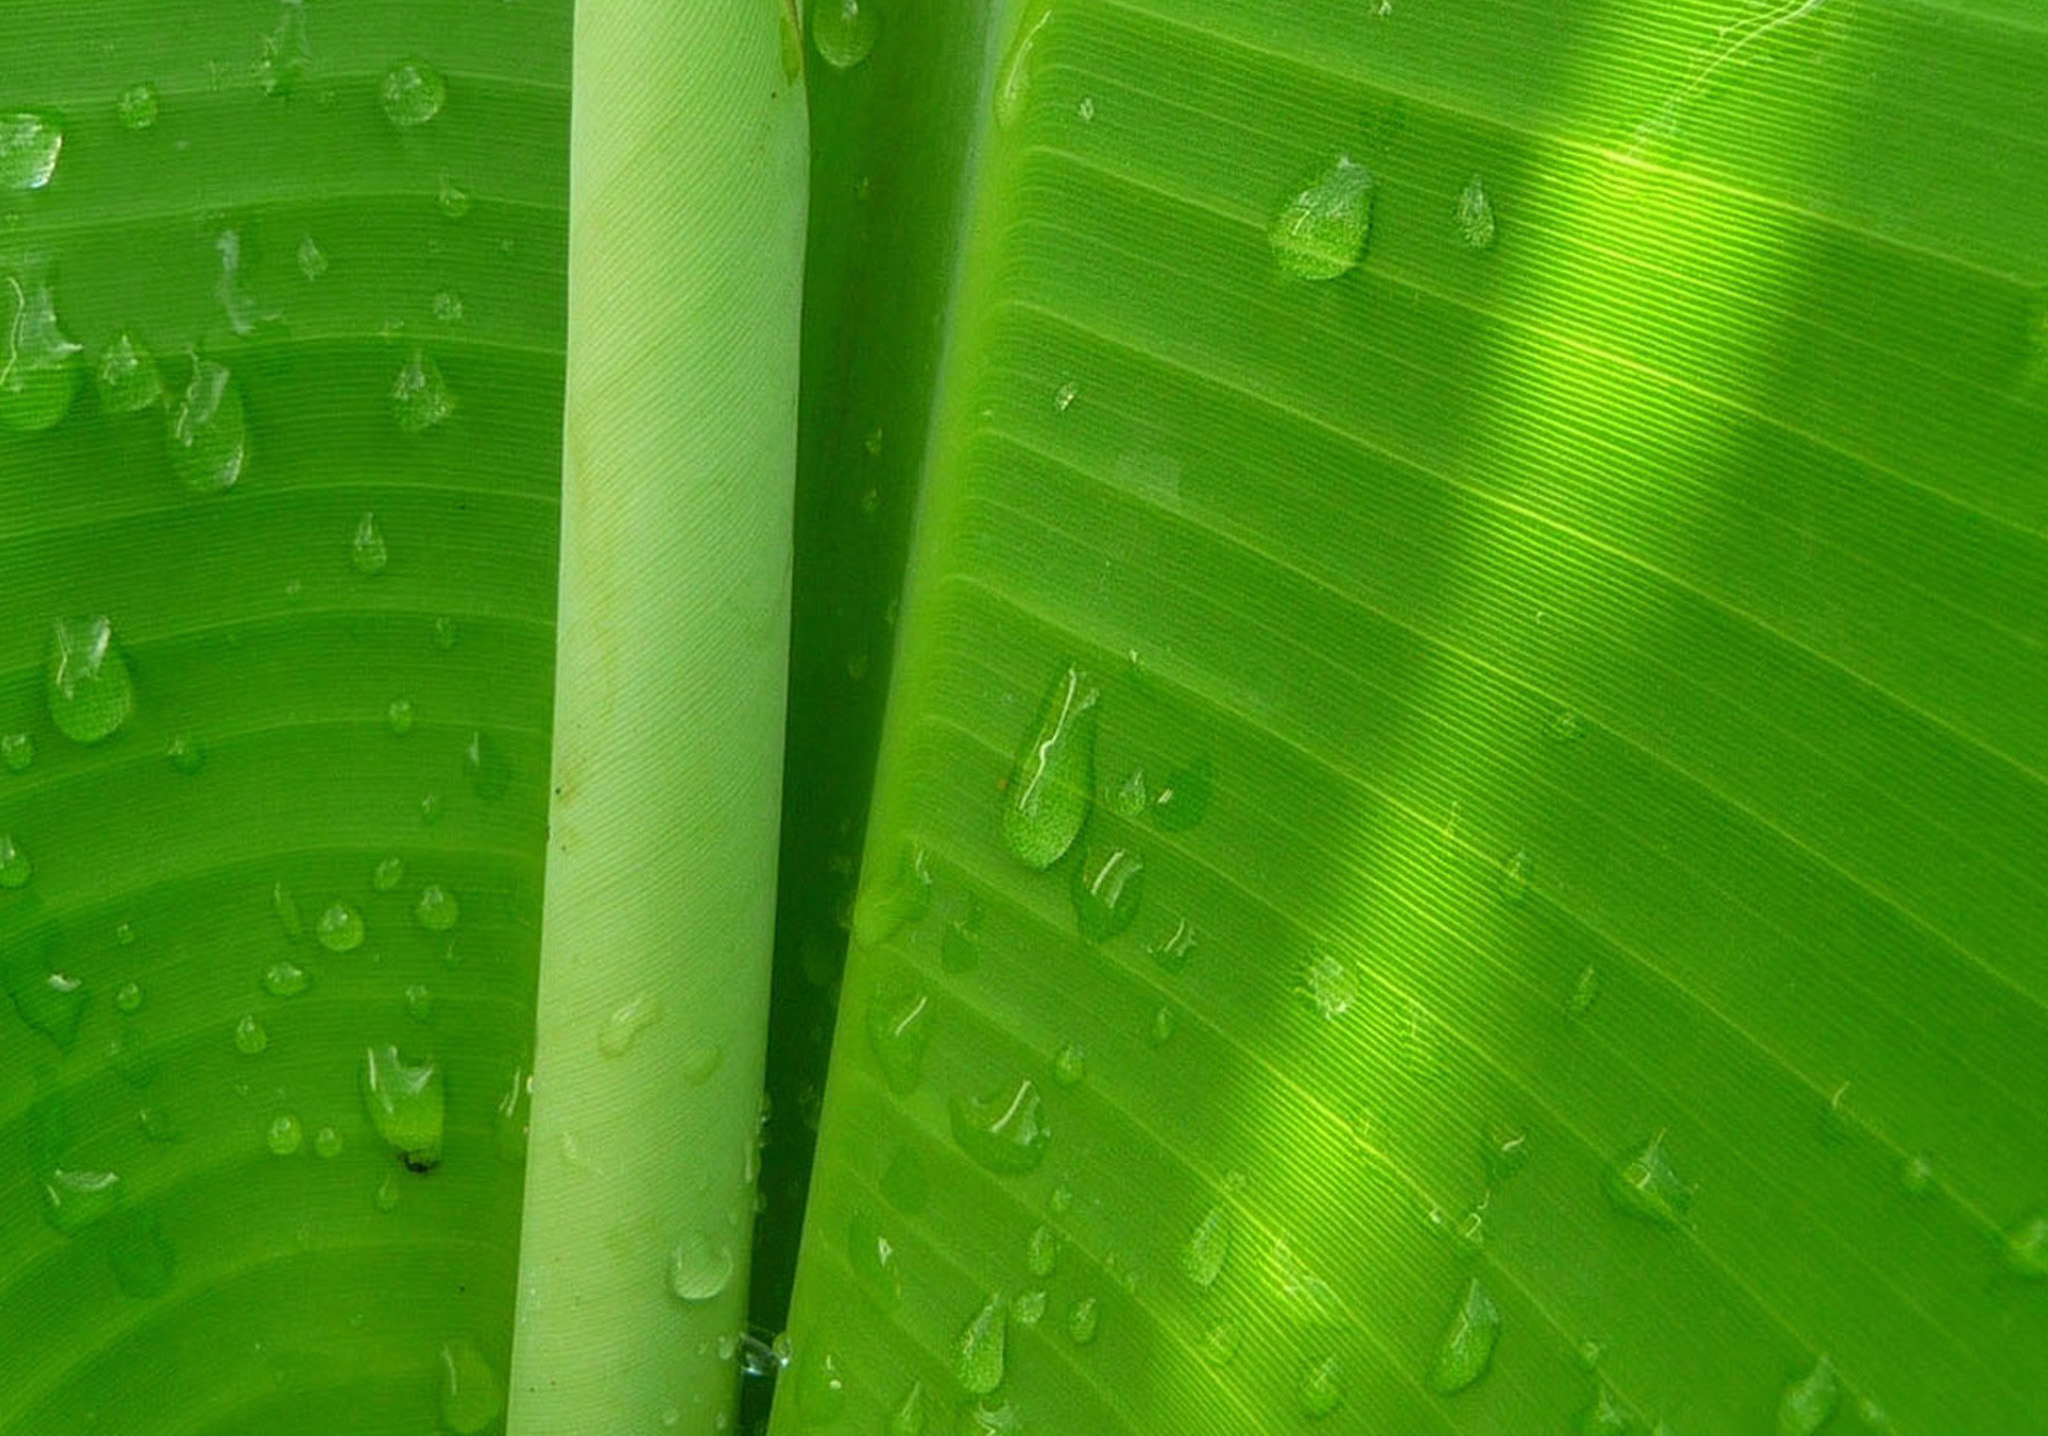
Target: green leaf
{"x":1570,"y":479}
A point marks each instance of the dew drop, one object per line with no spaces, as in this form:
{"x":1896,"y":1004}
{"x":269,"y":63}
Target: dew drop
{"x":1173,"y":949}
{"x":1013,"y":84}
{"x":388,"y":874}
{"x":127,"y":377}
{"x":1070,"y":1065}
{"x":137,"y":107}
{"x":49,"y":1001}
{"x":88,"y":688}
{"x":128,"y":997}
{"x":287,"y":909}
{"x":1004,"y":1132}
{"x":206,"y":431}
{"x":1809,"y":1403}
{"x":285,"y":979}
{"x":623,"y":1025}
{"x":327,"y":1143}
{"x":978,"y":1364}
{"x":1466,"y":1349}
{"x":1646,"y":1186}
{"x":1128,"y":798}
{"x":844,"y":31}
{"x":447,"y":307}
{"x":485,"y":767}
{"x":15,"y":868}
{"x":1329,"y":983}
{"x":399,"y":716}
{"x":1027,"y":1308}
{"x":899,"y":1031}
{"x":1320,"y":232}
{"x":1183,"y":799}
{"x":1475,"y":215}
{"x":1042,"y":1251}
{"x":285,"y":53}
{"x":75,"y":1198}
{"x":437,"y":910}
{"x":387,"y":1194}
{"x":1049,"y":792}
{"x":1320,"y":1391}
{"x":284,"y":1135}
{"x":472,"y":1392}
{"x":960,"y":944}
{"x":39,"y":375}
{"x":250,"y":1037}
{"x":1084,"y":1319}
{"x":452,"y":199}
{"x":1207,"y":1249}
{"x":1505,"y":1149}
{"x":367,"y":551}
{"x":1161,"y":1031}
{"x":888,"y":904}
{"x":412,"y":93}
{"x":407,"y":1103}
{"x":340,"y":927}
{"x":313,"y":263}
{"x":29,"y":146}
{"x":873,"y":1258}
{"x":420,"y":396}
{"x":1107,"y":890}
{"x":17,"y":752}
{"x":698,"y":1268}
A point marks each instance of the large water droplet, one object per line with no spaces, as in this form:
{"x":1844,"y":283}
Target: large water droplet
{"x":979,"y":1361}
{"x":844,"y":31}
{"x":1207,"y":1248}
{"x":15,"y":867}
{"x":420,"y":396}
{"x":128,"y":378}
{"x":407,"y":1103}
{"x":1475,"y":215}
{"x":1107,"y":890}
{"x":88,"y":687}
{"x":1320,"y":1390}
{"x":39,"y":372}
{"x":1320,"y":233}
{"x":623,"y":1025}
{"x":1013,"y":82}
{"x":412,"y":93}
{"x":29,"y":146}
{"x":136,"y":107}
{"x":1050,"y":789}
{"x":141,"y":1258}
{"x":699,"y":1268}
{"x":207,"y":432}
{"x":1005,"y":1132}
{"x":284,"y":53}
{"x":1645,"y":1185}
{"x":340,"y":927}
{"x":1467,"y":1346}
{"x":899,"y":1031}
{"x":74,"y":1197}
{"x":472,"y":1392}
{"x":367,"y":551}
{"x":1809,"y":1403}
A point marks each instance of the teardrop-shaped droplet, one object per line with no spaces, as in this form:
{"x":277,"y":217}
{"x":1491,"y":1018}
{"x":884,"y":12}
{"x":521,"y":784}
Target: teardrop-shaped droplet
{"x":420,"y":396}
{"x":978,"y":1364}
{"x":1084,"y":1320}
{"x":844,"y":31}
{"x":1207,"y":1248}
{"x":1042,"y":1251}
{"x":207,"y":432}
{"x":128,"y":378}
{"x":407,"y":1103}
{"x":367,"y":552}
{"x":29,"y":146}
{"x":899,"y":1031}
{"x":313,"y":261}
{"x":285,"y":978}
{"x":284,"y":1136}
{"x":39,"y":362}
{"x":251,"y":1038}
{"x":1107,"y":890}
{"x":1183,"y":799}
{"x":340,"y":927}
{"x":17,"y":752}
{"x":412,"y":93}
{"x":1052,"y":784}
{"x":88,"y":687}
{"x":1466,"y":1349}
{"x":1645,"y":1185}
{"x":1320,"y":232}
{"x":1006,"y":1131}
{"x":438,"y":909}
{"x":1475,"y":215}
{"x":472,"y":1392}
{"x":699,"y":1267}
{"x":623,"y":1025}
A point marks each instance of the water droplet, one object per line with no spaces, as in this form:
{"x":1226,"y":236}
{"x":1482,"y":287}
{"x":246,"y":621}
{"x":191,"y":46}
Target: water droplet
{"x":889,"y":904}
{"x":1161,"y":1031}
{"x":17,"y":752}
{"x":1013,"y":84}
{"x":1128,"y":798}
{"x":1320,"y":233}
{"x":89,"y":690}
{"x":1048,"y":796}
{"x":136,"y":107}
{"x":284,"y":1135}
{"x":979,"y":1363}
{"x":1107,"y":890}
{"x":388,"y":874}
{"x":2026,"y":1247}
{"x":367,"y":551}
{"x":420,"y":396}
{"x":1070,"y":1065}
{"x":701,"y":1061}
{"x":821,"y":1388}
{"x":1084,"y":1319}
{"x":1320,"y":1392}
{"x":623,"y":1024}
{"x":472,"y":1392}
{"x":285,"y":979}
{"x":1916,"y":1175}
{"x":909,"y":1418}
{"x":15,"y":868}
{"x":844,"y":31}
{"x":1505,"y":1149}
{"x":128,"y":997}
{"x":29,"y":146}
{"x":399,"y":716}
{"x":1183,"y":799}
{"x":905,"y":1183}
{"x":128,"y":378}
{"x":1316,"y":1300}
{"x":284,"y":54}
{"x":438,"y":911}
{"x":51,"y":1002}
{"x":40,"y":373}
{"x":141,"y":1259}
{"x":1467,"y":1346}
{"x":1475,"y":215}
{"x":1565,"y":726}
{"x":1042,"y":1251}
{"x":1207,"y":1248}
{"x":1329,"y":983}
{"x":387,"y":1193}
{"x":1027,"y":1308}
{"x":1060,"y":1200}
{"x":1063,"y":397}
{"x":412,"y":94}
{"x":74,"y":1198}
{"x":207,"y":431}
{"x":1515,"y":870}
{"x":1585,"y":991}
{"x":447,"y":307}
{"x":1086,"y":109}
{"x":1173,"y":949}
{"x":1645,"y":1185}
{"x":250,"y":1038}
{"x":1005,"y":1132}
{"x":340,"y":928}
{"x":133,"y":1060}
{"x":899,"y":1031}
{"x":445,"y":634}
{"x":185,"y":754}
{"x":407,"y":1103}
{"x":486,"y":768}
{"x":124,"y":933}
{"x":873,"y":1258}
{"x":156,"y":1124}
{"x":312,"y":259}
{"x":1221,"y":1341}
{"x":1607,"y":1416}
{"x":960,"y":944}
{"x":698,"y":1268}
{"x":1809,"y":1403}
{"x":327,"y":1143}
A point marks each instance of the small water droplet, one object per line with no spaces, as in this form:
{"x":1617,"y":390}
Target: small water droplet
{"x":1320,"y":1390}
{"x":1475,"y":215}
{"x":128,"y":378}
{"x":284,"y":1135}
{"x":1128,"y":798}
{"x":312,"y":259}
{"x":1183,"y":799}
{"x":873,"y":1258}
{"x":287,"y":909}
{"x":1315,"y":1300}
{"x":1161,"y":1031}
{"x":285,"y":979}
{"x":888,"y":904}
{"x":701,"y":1061}
{"x":420,"y":396}
{"x":1320,"y":232}
{"x":1505,"y":1148}
{"x":472,"y":1392}
{"x":513,"y":1119}
{"x":1207,"y":1248}
{"x":185,"y":754}
{"x":128,"y":997}
{"x":909,"y":1419}
{"x":1070,"y":1065}
{"x":284,"y":54}
{"x":399,"y":716}
{"x":1086,"y":109}
{"x":1013,"y":83}
{"x":821,"y":1388}
{"x":40,"y":374}
{"x":367,"y":551}
{"x":452,"y":199}
{"x":960,"y":944}
{"x":2026,"y":1247}
{"x":89,"y":691}
{"x":1809,"y":1403}
{"x":207,"y":431}
{"x":1173,"y":949}
{"x":1042,"y":1251}
{"x":29,"y":146}
{"x":17,"y":752}
{"x":49,"y":1001}
{"x":250,"y":1036}
{"x":124,"y":933}
{"x":1027,"y":1308}
{"x":699,"y":1268}
{"x":156,"y":1124}
{"x":340,"y":928}
{"x":1329,"y":983}
{"x":74,"y":1198}
{"x":447,"y":307}
{"x":1466,"y":1349}
{"x":1585,"y":991}
{"x":327,"y":1143}
{"x":137,"y":106}
{"x":1004,"y":1132}
{"x":1107,"y":890}
{"x":388,"y":1193}
{"x":1063,"y":397}
{"x":141,"y":1258}
{"x":844,"y":31}
{"x":412,"y":93}
{"x":899,"y":1030}
{"x":419,"y":1002}
{"x":1221,"y":1341}
{"x":1049,"y":792}
{"x":388,"y":874}
{"x":623,"y":1025}
{"x":437,"y":910}
{"x":1060,"y":1200}
{"x":1645,"y":1185}
{"x":1084,"y":1319}
{"x":15,"y":868}
{"x":407,"y":1103}
{"x":1515,"y":871}
{"x":980,"y":1350}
